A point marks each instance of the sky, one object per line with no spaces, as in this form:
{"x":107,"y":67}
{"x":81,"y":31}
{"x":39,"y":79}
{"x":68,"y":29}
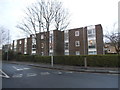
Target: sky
{"x":82,"y":13}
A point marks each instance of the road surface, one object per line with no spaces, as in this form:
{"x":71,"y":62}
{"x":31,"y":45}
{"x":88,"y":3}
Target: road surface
{"x":23,"y":76}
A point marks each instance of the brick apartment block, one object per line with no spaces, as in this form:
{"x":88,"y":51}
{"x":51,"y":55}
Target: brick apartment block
{"x":86,"y":40}
{"x":78,"y":41}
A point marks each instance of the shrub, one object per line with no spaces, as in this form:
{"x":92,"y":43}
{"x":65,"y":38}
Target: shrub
{"x":42,"y":59}
{"x":92,"y":60}
{"x":102,"y":60}
{"x":69,"y":60}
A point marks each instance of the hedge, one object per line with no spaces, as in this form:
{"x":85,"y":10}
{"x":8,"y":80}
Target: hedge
{"x":33,"y":58}
{"x":92,"y":60}
{"x":69,"y":60}
{"x":102,"y":60}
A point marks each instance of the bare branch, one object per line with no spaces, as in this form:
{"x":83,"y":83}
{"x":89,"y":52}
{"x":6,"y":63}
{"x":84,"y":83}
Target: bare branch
{"x":114,"y":38}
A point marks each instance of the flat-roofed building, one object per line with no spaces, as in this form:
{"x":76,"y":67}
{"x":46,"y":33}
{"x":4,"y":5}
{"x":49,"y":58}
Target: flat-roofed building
{"x":84,"y":41}
{"x":78,"y":41}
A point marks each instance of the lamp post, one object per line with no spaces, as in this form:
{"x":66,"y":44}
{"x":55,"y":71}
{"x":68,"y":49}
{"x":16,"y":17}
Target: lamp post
{"x":8,"y":46}
{"x":51,"y":37}
{"x":7,"y":52}
{"x":85,"y":59}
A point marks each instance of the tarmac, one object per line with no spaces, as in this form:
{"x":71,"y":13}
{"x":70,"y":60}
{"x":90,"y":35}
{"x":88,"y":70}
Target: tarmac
{"x":69,"y":68}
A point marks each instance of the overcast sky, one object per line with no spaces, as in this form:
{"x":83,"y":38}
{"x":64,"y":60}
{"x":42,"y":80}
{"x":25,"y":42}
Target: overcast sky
{"x":83,"y":13}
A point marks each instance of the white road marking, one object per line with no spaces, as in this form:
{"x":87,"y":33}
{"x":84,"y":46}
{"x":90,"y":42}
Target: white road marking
{"x":4,"y":74}
{"x":69,"y":72}
{"x":19,"y":69}
{"x":26,"y":68}
{"x":31,"y":74}
{"x":59,"y":73}
{"x":44,"y":73}
{"x":113,"y":74}
{"x":113,"y":71}
{"x":17,"y":76}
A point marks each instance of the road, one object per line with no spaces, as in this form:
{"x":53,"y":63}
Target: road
{"x":23,"y":76}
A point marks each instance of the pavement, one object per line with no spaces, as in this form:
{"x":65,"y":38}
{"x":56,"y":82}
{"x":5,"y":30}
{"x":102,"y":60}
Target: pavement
{"x":69,"y":68}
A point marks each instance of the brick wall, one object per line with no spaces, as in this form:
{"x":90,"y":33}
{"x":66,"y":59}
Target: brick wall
{"x":81,"y":38}
{"x":99,"y":39}
{"x":58,"y":42}
{"x":20,"y":46}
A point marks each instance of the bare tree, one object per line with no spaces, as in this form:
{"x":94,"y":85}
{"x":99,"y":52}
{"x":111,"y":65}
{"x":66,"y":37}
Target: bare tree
{"x":4,"y":35}
{"x":43,"y":14}
{"x":61,"y":17}
{"x":114,"y":38}
{"x":114,"y":41}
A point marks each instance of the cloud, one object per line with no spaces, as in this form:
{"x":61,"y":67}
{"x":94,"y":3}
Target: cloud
{"x":83,"y":12}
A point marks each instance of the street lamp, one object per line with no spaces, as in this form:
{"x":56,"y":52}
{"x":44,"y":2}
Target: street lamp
{"x":51,"y":37}
{"x":85,"y":59}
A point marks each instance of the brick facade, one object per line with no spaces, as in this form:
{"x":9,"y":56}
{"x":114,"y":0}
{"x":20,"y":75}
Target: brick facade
{"x":20,"y":46}
{"x":99,"y":39}
{"x":74,"y":39}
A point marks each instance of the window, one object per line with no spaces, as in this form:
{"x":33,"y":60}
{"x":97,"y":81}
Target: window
{"x":51,"y":38}
{"x":91,"y":43}
{"x":92,"y":52}
{"x":25,"y":52}
{"x":91,"y":33}
{"x":42,"y":45}
{"x":33,"y":41}
{"x":66,"y":36}
{"x":77,"y":52}
{"x":33,"y":46}
{"x":20,"y":42}
{"x":76,"y":33}
{"x":66,"y":46}
{"x":42,"y":36}
{"x":92,"y":46}
{"x":42,"y":53}
{"x":34,"y":49}
{"x":15,"y":43}
{"x":51,"y":46}
{"x":66,"y":53}
{"x":77,"y":43}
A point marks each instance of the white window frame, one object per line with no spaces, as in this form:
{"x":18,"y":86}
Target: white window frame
{"x":77,"y":33}
{"x":66,"y":53}
{"x":77,"y":52}
{"x":66,"y":36}
{"x":77,"y":45}
{"x":42,"y":36}
{"x":42,"y":45}
{"x":42,"y":53}
{"x":92,"y":52}
{"x":65,"y":46}
{"x":20,"y":42}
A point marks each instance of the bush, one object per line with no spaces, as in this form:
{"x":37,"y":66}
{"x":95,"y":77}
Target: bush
{"x":42,"y":59}
{"x":102,"y":60}
{"x":8,"y":55}
{"x":69,"y":60}
{"x":92,"y":60}
{"x":33,"y":58}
